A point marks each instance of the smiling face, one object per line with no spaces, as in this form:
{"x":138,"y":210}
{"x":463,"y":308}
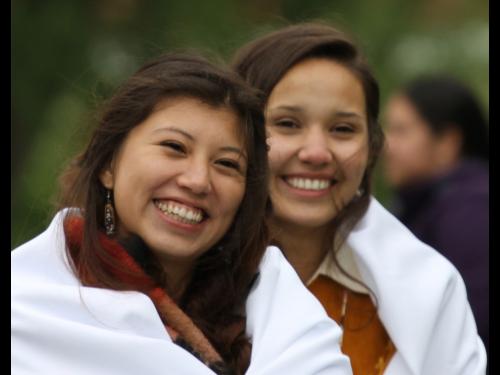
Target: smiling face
{"x":179,"y":178}
{"x":317,"y":124}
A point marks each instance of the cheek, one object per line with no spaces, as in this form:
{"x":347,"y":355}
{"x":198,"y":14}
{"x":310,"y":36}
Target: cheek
{"x":233,"y":195}
{"x":397,"y":149}
{"x":279,"y":153}
{"x":140,"y":178}
{"x":353,"y":159}
{"x":415,"y":150}
{"x":274,"y":161}
{"x":356,"y":169}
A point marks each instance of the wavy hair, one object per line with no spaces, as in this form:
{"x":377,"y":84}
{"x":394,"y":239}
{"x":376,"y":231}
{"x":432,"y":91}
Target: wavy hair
{"x":216,"y":294}
{"x":445,"y":102}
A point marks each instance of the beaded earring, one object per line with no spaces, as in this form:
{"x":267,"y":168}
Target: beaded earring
{"x":109,"y":215}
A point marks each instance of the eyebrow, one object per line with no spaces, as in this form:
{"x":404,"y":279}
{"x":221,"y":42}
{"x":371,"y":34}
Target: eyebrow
{"x":292,"y":108}
{"x":298,"y":109}
{"x":175,"y":130}
{"x":348,"y":114}
{"x":235,"y":150}
{"x":189,"y":136}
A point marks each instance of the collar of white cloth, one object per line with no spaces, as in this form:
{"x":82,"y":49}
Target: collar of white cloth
{"x":346,"y":259}
{"x":59,"y":326}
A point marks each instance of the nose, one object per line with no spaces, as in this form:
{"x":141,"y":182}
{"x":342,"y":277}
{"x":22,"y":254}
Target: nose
{"x":315,"y":150}
{"x":196,"y":178}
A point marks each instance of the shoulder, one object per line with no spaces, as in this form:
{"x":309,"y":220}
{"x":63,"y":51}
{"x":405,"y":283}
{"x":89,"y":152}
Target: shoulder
{"x":386,"y":251}
{"x":43,"y":258}
{"x":470,"y":180}
{"x":422,"y":298}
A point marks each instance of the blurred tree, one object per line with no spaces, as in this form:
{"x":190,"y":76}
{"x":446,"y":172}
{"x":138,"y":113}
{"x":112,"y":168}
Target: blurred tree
{"x":67,"y":55}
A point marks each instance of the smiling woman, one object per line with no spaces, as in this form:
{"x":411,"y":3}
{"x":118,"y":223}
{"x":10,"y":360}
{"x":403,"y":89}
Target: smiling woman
{"x":319,"y":142}
{"x":157,"y":262}
{"x":181,"y":211}
{"x":402,"y":307}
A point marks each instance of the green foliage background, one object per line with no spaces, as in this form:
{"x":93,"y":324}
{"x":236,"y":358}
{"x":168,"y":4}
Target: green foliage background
{"x":67,"y":55}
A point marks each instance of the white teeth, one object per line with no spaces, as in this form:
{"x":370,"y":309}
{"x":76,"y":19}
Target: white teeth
{"x":308,"y":184}
{"x":181,"y":213}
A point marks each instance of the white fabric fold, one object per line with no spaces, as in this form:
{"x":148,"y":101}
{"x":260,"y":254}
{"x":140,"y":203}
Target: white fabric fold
{"x":422,"y":299}
{"x":60,"y":327}
{"x":300,"y":319}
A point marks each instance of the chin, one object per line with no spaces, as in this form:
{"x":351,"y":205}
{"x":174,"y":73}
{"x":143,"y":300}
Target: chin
{"x":311,"y":220}
{"x":174,"y":248}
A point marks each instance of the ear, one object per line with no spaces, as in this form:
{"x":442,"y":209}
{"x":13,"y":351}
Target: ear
{"x":106,"y":177}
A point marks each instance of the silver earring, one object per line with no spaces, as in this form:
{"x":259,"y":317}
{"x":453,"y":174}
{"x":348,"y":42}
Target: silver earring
{"x":109,"y":215}
{"x":359,"y":193}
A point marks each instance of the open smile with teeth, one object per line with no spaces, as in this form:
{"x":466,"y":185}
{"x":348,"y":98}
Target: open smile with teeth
{"x":308,"y":183}
{"x":182,"y":213}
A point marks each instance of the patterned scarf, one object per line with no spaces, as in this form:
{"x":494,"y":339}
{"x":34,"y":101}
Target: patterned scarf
{"x":179,"y":326}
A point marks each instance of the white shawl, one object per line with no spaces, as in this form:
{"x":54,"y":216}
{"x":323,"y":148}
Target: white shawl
{"x":59,"y":327}
{"x":422,"y":299}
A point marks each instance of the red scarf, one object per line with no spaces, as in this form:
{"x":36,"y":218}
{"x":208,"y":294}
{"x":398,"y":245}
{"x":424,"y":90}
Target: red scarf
{"x":180,"y":327}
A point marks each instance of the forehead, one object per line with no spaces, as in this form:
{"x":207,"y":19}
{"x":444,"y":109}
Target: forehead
{"x":320,"y":79}
{"x":401,"y":111}
{"x":207,"y":124}
{"x":176,"y":104}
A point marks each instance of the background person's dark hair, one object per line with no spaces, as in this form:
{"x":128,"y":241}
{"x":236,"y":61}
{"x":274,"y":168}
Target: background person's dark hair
{"x":217,"y":293}
{"x":445,"y":102}
{"x":264,"y":61}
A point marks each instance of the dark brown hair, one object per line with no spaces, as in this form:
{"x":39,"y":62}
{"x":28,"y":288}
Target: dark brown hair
{"x":445,"y":102}
{"x":216,"y":295}
{"x":264,"y":61}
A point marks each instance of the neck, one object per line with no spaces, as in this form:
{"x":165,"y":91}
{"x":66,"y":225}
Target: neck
{"x":304,"y":247}
{"x":177,"y":276}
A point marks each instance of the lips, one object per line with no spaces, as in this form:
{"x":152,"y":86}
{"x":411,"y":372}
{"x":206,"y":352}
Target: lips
{"x":181,"y":212}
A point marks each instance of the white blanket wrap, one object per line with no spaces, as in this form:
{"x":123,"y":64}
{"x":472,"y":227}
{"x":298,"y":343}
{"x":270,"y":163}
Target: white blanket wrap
{"x":422,"y":299}
{"x":60,"y":327}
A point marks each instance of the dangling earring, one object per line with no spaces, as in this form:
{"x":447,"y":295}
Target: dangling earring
{"x":109,"y":215}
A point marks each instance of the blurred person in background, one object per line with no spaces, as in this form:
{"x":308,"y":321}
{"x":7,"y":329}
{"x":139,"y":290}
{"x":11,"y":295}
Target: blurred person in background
{"x":437,"y":160}
{"x":367,"y":269}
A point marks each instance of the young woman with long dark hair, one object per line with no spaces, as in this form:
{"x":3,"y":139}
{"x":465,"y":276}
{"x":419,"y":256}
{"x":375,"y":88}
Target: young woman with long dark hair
{"x":157,"y":262}
{"x":402,"y":306}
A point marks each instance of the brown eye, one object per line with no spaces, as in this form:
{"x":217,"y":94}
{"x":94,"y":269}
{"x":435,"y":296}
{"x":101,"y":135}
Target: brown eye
{"x":286,"y":123}
{"x":342,"y":128}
